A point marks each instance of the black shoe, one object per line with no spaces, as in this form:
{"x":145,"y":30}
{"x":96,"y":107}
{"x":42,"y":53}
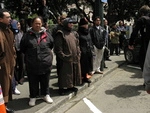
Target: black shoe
{"x":144,"y":84}
{"x":62,"y":91}
{"x":108,"y":59}
{"x":74,"y":89}
{"x":87,"y":80}
{"x":21,"y":81}
{"x":8,"y":110}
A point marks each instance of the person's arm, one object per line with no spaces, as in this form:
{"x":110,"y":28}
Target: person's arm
{"x":134,"y":34}
{"x":23,"y":43}
{"x":59,"y":45}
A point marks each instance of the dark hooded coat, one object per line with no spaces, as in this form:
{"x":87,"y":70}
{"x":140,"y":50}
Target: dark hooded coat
{"x":67,"y":48}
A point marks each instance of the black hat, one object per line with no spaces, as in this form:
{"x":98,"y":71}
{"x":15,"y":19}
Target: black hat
{"x":83,"y":21}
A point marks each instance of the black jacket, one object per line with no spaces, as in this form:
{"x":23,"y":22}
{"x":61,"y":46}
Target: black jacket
{"x":142,"y":25}
{"x":98,"y":36}
{"x":37,"y":50}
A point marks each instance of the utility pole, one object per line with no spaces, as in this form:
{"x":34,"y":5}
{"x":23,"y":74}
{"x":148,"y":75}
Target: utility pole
{"x":99,"y":10}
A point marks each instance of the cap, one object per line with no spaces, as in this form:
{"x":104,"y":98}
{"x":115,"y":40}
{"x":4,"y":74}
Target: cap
{"x":83,"y":21}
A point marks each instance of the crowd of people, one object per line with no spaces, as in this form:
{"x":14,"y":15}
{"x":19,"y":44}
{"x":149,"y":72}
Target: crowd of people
{"x":79,"y":53}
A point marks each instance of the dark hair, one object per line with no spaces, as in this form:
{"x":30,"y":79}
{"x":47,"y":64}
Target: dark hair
{"x":2,"y":12}
{"x":145,"y":9}
{"x":32,"y":21}
{"x":97,"y":17}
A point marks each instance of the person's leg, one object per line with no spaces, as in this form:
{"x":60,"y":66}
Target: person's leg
{"x":20,"y":68}
{"x":112,"y":49}
{"x":44,"y":83}
{"x":14,"y":87}
{"x":101,"y":56}
{"x":33,"y":88}
{"x":33,"y":85}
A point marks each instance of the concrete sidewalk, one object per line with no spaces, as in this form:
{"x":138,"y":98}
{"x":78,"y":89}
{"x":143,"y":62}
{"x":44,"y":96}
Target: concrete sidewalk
{"x":20,"y":102}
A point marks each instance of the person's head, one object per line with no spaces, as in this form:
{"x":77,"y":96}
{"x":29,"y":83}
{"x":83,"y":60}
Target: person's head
{"x":105,"y":22}
{"x":97,"y":21}
{"x":144,"y":10}
{"x":44,"y":2}
{"x":62,"y":17}
{"x":14,"y":26}
{"x":114,"y":26}
{"x":58,"y":19}
{"x":19,"y":26}
{"x":121,"y":23}
{"x":68,"y":24}
{"x":5,"y":16}
{"x":36,"y":24}
{"x":83,"y":23}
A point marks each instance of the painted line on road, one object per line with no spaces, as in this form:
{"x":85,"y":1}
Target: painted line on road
{"x":91,"y":106}
{"x":134,"y":67}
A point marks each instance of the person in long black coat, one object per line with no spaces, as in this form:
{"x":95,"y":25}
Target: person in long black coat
{"x":86,"y":48}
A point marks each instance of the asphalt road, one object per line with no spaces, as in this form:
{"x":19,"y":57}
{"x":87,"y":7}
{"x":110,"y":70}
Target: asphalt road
{"x":121,"y":91}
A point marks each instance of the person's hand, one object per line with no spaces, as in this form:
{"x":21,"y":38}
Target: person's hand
{"x":148,"y":91}
{"x":131,"y":47}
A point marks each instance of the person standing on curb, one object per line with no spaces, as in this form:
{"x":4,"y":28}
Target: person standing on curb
{"x":86,"y":47}
{"x":7,"y":57}
{"x":37,"y":46}
{"x":68,"y":50}
{"x":54,"y":32}
{"x":114,"y":37}
{"x":98,"y":35}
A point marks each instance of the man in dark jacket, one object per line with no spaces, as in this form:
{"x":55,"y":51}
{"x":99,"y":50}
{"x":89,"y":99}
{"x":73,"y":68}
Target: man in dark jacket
{"x":142,"y":25}
{"x":98,"y":35}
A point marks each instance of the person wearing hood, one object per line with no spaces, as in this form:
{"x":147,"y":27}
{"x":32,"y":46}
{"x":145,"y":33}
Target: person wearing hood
{"x":37,"y":46}
{"x":87,"y":49}
{"x":67,"y":49}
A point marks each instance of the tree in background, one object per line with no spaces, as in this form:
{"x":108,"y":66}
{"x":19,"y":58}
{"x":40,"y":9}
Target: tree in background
{"x":114,"y":10}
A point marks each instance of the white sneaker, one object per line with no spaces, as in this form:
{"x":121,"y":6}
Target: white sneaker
{"x":16,"y":91}
{"x":48,"y":99}
{"x":32,"y":101}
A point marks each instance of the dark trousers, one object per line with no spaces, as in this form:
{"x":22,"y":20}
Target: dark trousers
{"x":19,"y":68}
{"x":13,"y":84}
{"x":59,"y":64}
{"x":114,"y":47}
{"x":38,"y":80}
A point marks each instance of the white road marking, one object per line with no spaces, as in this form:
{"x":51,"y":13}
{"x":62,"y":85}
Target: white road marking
{"x":91,"y":106}
{"x":135,"y":67}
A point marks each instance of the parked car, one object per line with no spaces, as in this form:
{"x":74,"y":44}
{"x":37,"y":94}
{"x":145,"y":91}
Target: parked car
{"x":132,"y":56}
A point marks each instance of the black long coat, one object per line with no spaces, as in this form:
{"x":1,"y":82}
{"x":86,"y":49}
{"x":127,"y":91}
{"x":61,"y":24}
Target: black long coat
{"x":87,"y":49}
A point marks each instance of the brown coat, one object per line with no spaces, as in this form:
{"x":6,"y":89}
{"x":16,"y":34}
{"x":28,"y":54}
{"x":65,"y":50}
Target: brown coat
{"x":67,"y":49}
{"x":7,"y":61}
